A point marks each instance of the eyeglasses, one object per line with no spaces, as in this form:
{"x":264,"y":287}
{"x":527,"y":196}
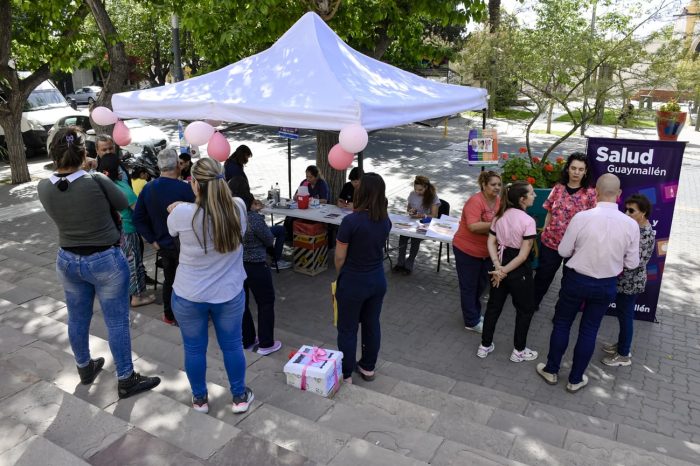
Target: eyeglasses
{"x":630,"y":210}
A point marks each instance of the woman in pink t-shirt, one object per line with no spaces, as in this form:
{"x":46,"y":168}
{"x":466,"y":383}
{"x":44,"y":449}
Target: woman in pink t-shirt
{"x":510,"y":240}
{"x":570,"y":196}
{"x":469,"y":244}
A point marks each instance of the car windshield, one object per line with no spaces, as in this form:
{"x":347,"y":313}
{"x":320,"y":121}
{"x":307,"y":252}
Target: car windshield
{"x":134,"y":123}
{"x":41,"y":99}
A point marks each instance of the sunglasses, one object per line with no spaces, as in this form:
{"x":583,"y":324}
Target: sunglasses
{"x":630,"y":210}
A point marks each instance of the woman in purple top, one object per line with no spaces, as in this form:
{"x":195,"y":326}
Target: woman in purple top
{"x":510,"y":240}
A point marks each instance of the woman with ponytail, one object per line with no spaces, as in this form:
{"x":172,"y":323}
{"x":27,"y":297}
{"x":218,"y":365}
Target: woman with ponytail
{"x":423,"y":202}
{"x":510,"y":240}
{"x":209,"y":280}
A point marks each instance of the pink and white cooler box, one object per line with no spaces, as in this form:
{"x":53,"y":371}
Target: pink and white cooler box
{"x":315,"y":370}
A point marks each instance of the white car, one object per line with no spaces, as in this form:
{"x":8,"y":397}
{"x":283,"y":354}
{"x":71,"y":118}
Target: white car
{"x":142,"y":134}
{"x":85,"y":95}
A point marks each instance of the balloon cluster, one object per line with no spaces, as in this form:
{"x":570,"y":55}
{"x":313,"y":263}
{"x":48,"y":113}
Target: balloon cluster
{"x":203,"y":132}
{"x":352,"y":139}
{"x":105,"y":117}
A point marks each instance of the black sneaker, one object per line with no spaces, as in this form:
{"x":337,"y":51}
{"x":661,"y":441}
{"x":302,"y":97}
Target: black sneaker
{"x":150,"y":281}
{"x":136,"y":384}
{"x":89,"y":372}
{"x":243,"y":402}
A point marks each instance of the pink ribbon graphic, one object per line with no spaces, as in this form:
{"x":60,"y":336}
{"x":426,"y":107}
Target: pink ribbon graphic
{"x":316,"y":355}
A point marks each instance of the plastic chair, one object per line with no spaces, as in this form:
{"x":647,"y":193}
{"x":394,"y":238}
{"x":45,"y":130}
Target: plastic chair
{"x":444,"y":209}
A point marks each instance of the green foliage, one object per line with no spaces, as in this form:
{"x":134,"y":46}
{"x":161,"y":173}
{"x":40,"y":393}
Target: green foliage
{"x":638,"y":119}
{"x":513,"y":114}
{"x":40,"y":34}
{"x":670,"y":106}
{"x":536,"y":171}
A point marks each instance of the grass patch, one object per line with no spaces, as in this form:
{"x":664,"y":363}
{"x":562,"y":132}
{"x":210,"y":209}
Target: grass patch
{"x":513,"y":114}
{"x":640,"y":118}
{"x":552,"y":133}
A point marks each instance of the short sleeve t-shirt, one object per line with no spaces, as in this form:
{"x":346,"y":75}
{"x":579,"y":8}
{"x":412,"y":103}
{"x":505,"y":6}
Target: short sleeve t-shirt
{"x":347,"y":192}
{"x":513,"y":227}
{"x":415,"y":201}
{"x":319,"y":190}
{"x":562,"y":207}
{"x":127,"y":221}
{"x":365,"y":239}
{"x":475,"y":210}
{"x":210,"y":277}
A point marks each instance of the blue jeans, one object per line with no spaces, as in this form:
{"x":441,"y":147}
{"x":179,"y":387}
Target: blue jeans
{"x":593,"y":295}
{"x":472,"y":273}
{"x":194,"y":322}
{"x":624,"y":305}
{"x":105,"y":274}
{"x":360,"y":297}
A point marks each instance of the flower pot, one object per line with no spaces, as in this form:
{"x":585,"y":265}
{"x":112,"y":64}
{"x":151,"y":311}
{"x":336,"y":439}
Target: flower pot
{"x":669,"y":125}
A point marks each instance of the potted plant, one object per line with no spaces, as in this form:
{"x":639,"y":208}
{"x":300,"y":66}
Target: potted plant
{"x":539,"y":172}
{"x":670,"y":121}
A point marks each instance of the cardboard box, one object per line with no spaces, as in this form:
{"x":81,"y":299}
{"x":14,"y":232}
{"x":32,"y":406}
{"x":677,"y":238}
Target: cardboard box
{"x":320,"y":373}
{"x":308,"y":227}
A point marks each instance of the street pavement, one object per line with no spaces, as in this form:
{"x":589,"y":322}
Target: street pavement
{"x":421,"y":318}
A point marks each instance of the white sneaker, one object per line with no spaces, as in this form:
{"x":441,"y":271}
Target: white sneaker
{"x":484,"y":351}
{"x":574,"y":387}
{"x":276,"y":346}
{"x":478,"y":328}
{"x":525,"y":355}
{"x":283,"y":264}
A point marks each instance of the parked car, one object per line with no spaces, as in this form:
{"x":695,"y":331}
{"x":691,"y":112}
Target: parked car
{"x":44,"y":105}
{"x":85,"y":95}
{"x":142,"y":134}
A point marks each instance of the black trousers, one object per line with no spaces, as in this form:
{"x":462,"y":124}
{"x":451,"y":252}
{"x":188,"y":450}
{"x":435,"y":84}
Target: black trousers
{"x":259,"y":282}
{"x":171,"y":259}
{"x":519,"y":285}
{"x":549,"y":263}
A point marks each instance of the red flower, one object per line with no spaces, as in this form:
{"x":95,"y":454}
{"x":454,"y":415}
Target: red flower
{"x":548,"y":167}
{"x":531,"y":180}
{"x":522,"y":150}
{"x":536,"y":160}
{"x":560,"y":159}
{"x":513,"y":177}
{"x":504,"y":156}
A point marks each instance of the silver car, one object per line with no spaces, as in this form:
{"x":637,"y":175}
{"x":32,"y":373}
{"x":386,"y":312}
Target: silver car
{"x":85,"y":95}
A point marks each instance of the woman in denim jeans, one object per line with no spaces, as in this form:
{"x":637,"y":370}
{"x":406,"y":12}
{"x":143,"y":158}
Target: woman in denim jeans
{"x":209,"y":281}
{"x":90,"y":262}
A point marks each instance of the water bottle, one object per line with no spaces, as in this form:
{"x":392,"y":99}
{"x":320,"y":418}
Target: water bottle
{"x":277,"y":193}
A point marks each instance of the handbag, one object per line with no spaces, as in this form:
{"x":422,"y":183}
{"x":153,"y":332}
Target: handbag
{"x":116,"y":218}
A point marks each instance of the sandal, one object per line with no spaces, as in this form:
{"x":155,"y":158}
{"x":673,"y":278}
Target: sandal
{"x":367,"y":376}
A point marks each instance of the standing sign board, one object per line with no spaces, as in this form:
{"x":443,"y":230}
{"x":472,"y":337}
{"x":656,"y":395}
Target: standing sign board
{"x":483,"y":147}
{"x":289,"y":133}
{"x":651,"y":168}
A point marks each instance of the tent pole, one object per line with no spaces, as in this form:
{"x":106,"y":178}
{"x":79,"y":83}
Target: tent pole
{"x":360,"y":159}
{"x":483,"y":119}
{"x":289,"y":166}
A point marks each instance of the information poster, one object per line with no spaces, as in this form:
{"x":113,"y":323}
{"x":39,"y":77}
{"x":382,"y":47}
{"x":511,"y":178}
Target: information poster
{"x":651,"y":168}
{"x":483,"y":147}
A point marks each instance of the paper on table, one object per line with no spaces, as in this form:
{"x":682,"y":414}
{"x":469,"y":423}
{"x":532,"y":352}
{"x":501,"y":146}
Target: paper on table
{"x":443,"y":228}
{"x":449,"y":218}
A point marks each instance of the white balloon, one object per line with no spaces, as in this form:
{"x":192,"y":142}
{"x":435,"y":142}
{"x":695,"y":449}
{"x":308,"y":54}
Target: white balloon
{"x":353,"y":138}
{"x":198,"y":132}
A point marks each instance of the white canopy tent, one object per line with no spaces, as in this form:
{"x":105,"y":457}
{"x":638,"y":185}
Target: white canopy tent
{"x":308,"y":79}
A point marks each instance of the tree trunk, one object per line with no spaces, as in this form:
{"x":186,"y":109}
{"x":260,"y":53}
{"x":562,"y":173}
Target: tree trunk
{"x":494,"y":15}
{"x":697,"y":118}
{"x":550,"y":110}
{"x":325,"y":140}
{"x":15,"y":147}
{"x":119,"y":66}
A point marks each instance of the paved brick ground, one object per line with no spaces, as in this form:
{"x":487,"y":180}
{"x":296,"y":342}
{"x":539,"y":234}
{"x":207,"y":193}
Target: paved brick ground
{"x":421,"y":320}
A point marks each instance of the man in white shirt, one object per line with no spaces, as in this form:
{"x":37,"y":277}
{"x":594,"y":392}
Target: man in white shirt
{"x":599,"y":242}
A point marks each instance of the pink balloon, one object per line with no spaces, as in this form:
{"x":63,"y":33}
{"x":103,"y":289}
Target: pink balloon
{"x":353,"y":138}
{"x":218,"y":148}
{"x":103,"y":116}
{"x":198,"y":132}
{"x":121,"y":134}
{"x":339,"y":158}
